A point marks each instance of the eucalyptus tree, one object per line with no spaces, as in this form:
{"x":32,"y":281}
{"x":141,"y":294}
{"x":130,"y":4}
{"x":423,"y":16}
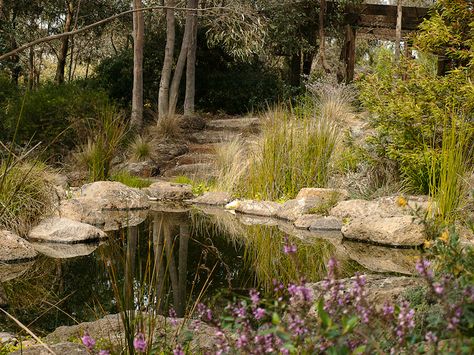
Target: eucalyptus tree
{"x":138,"y":42}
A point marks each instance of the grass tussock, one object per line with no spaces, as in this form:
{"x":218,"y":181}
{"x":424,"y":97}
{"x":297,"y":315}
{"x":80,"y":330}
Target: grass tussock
{"x":232,"y":163}
{"x":167,"y":128}
{"x":26,"y":194}
{"x":106,"y":136}
{"x":294,"y":151}
{"x":451,"y":169}
{"x":141,"y":148}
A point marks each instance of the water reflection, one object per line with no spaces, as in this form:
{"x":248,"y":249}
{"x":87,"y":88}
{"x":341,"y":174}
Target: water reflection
{"x":174,"y":259}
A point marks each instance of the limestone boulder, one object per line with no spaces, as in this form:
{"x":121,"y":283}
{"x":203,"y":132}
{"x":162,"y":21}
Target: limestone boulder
{"x":318,"y":223}
{"x":14,"y":249}
{"x":213,"y":198}
{"x":64,"y":230}
{"x":393,"y":231}
{"x":111,"y":195}
{"x":163,"y":190}
{"x":323,"y":194}
{"x":291,"y":210}
{"x":258,"y":208}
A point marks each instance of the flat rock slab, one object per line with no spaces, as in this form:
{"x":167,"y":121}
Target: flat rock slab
{"x":59,"y":349}
{"x":64,"y":230}
{"x":233,"y":123}
{"x":213,"y":198}
{"x":163,"y":190}
{"x":393,"y":231}
{"x":14,"y":249}
{"x":196,"y":171}
{"x":382,"y":259}
{"x":318,"y":223}
{"x":258,"y":208}
{"x":65,"y":251}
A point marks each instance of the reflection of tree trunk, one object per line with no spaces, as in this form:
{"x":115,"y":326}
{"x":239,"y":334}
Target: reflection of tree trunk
{"x":171,"y":263}
{"x":182,"y":268}
{"x":132,"y":240}
{"x":158,"y":245}
{"x":3,"y":295}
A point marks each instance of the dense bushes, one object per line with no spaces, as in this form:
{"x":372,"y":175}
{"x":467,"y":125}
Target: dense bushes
{"x":46,"y":113}
{"x":222,"y":82}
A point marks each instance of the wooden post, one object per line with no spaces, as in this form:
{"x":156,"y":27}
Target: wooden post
{"x":398,"y":31}
{"x":349,"y":52}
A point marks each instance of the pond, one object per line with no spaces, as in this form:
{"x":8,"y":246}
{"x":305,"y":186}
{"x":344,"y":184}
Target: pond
{"x":174,"y":259}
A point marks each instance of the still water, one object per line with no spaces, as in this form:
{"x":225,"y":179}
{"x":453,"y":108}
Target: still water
{"x":172,"y":259}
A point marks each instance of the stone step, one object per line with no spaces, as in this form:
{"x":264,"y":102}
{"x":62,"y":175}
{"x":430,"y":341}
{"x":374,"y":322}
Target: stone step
{"x":232,"y":124}
{"x":208,"y":136}
{"x":197,"y":171}
{"x":209,"y":148}
{"x":194,"y":158}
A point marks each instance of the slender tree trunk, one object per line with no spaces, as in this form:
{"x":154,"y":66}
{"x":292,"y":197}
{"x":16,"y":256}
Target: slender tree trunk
{"x":31,"y":68}
{"x":163,"y":95}
{"x":59,"y":78}
{"x":178,"y":72}
{"x":322,"y":37}
{"x":191,"y":63}
{"x":398,"y":31}
{"x":71,"y":74}
{"x":138,"y":42}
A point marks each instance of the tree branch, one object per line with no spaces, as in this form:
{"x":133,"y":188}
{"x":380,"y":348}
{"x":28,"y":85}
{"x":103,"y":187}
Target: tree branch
{"x":98,"y":23}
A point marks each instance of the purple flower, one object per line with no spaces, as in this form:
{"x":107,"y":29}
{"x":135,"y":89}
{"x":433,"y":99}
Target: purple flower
{"x":438,"y":288}
{"x":104,"y":352}
{"x":388,"y":309}
{"x":178,"y":350}
{"x":173,"y":315}
{"x":423,"y":268}
{"x":406,"y":321}
{"x":430,"y":337}
{"x":455,"y":318}
{"x":254,"y":297}
{"x":289,"y":248}
{"x":241,"y":341}
{"x":259,"y":313}
{"x":139,"y":343}
{"x":204,"y":313}
{"x":88,"y":341}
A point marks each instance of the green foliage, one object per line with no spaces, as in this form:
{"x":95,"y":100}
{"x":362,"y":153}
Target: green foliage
{"x":449,"y":32}
{"x":410,"y":115}
{"x":105,"y":137}
{"x":130,"y":180}
{"x":49,"y":111}
{"x":198,"y":187}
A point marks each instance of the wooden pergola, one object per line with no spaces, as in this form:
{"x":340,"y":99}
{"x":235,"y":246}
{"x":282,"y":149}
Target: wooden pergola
{"x":385,"y":22}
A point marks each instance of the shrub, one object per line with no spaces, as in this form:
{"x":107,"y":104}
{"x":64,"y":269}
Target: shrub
{"x":50,"y":110}
{"x":167,"y":128}
{"x":141,"y":148}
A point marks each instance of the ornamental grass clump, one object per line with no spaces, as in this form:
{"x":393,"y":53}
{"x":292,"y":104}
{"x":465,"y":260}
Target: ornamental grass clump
{"x":294,"y":151}
{"x":26,"y":194}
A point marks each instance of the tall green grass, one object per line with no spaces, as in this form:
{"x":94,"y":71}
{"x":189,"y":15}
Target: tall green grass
{"x":294,"y":151}
{"x":106,"y":135}
{"x":451,"y":168}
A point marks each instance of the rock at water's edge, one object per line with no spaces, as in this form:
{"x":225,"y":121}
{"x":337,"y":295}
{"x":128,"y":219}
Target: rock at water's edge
{"x":14,"y":249}
{"x":64,"y":230}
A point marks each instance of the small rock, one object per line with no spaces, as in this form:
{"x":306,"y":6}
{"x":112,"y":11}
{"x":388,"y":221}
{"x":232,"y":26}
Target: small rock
{"x":7,"y":338}
{"x":323,"y":194}
{"x":293,"y":209}
{"x":213,"y":198}
{"x":111,"y":195}
{"x":14,"y":249}
{"x":145,"y":169}
{"x":163,"y":190}
{"x":258,"y":208}
{"x":233,"y":205}
{"x":395,"y":231}
{"x":317,"y":223}
{"x":64,"y":230}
